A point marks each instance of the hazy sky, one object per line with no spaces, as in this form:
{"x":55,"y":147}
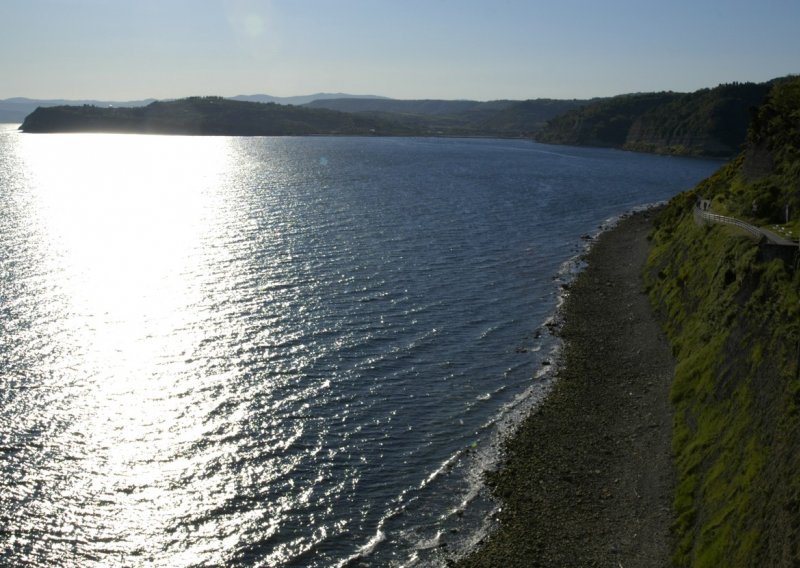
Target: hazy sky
{"x":469,"y":49}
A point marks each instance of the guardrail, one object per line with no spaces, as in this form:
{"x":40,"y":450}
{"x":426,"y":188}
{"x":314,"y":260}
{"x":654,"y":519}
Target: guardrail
{"x":758,"y":232}
{"x":714,"y":218}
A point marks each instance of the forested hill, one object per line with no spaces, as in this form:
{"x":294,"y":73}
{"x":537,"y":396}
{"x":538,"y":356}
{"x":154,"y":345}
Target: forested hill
{"x":732,"y":313}
{"x":708,"y":122}
{"x":465,"y":117}
{"x":216,"y":115}
{"x":208,"y":116}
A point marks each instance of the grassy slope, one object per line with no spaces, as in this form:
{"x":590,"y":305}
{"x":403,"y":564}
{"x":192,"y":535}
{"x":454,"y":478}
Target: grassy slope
{"x":734,"y":322}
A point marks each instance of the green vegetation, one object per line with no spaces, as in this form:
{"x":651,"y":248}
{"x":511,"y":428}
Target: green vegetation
{"x":206,"y":115}
{"x":733,"y":318}
{"x":708,"y":122}
{"x":605,"y":123}
{"x":216,"y":115}
{"x":465,"y":118}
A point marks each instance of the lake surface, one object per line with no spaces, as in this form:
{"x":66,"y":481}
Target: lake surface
{"x":278,"y":351}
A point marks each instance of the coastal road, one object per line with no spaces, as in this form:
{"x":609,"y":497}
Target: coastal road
{"x":702,"y":215}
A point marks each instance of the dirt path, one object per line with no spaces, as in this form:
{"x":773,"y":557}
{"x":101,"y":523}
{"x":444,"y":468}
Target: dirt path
{"x":589,"y":480}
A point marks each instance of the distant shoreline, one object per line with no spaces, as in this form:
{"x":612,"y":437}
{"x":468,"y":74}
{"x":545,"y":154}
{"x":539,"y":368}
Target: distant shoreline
{"x":209,"y":116}
{"x":589,"y":477}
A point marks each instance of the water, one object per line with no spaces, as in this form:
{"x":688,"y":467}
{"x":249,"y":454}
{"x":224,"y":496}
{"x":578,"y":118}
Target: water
{"x":278,"y":351}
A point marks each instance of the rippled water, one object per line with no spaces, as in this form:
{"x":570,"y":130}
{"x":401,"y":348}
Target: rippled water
{"x":277,"y":351}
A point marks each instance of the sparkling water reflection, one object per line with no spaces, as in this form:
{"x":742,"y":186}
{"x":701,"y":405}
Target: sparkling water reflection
{"x":221,"y":351}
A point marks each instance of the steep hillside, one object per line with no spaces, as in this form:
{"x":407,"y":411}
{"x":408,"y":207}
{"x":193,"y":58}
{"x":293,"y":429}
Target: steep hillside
{"x":605,"y":123}
{"x":205,"y":115}
{"x":711,"y":122}
{"x":733,"y":318}
{"x":528,"y":117}
{"x":708,"y":122}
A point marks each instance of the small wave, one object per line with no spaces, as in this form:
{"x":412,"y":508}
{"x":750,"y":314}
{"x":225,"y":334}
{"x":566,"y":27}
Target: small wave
{"x":430,"y":543}
{"x":489,"y":331}
{"x":445,"y":466}
{"x":366,"y":550}
{"x":487,"y":456}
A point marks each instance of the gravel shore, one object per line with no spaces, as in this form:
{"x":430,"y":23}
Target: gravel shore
{"x":589,"y":476}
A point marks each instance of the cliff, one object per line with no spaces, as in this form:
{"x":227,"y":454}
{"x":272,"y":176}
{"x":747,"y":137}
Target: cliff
{"x":707,"y":122}
{"x":733,"y":318}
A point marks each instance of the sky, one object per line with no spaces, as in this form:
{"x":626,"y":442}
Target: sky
{"x":408,"y":49}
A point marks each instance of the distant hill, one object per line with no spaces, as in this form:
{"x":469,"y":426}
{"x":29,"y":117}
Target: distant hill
{"x":205,"y":116}
{"x":529,"y":117}
{"x":459,"y":117}
{"x":708,"y":122}
{"x":15,"y":110}
{"x":430,"y":107}
{"x":374,"y":115}
{"x":301,"y":99}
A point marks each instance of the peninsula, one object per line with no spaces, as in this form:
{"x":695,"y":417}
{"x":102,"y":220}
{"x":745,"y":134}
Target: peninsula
{"x":206,"y":116}
{"x":353,"y":116}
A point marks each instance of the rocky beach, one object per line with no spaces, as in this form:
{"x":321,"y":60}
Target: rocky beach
{"x":588,"y":478}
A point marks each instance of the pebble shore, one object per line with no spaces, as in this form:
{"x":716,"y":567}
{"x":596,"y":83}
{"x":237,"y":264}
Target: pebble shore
{"x":589,"y":479}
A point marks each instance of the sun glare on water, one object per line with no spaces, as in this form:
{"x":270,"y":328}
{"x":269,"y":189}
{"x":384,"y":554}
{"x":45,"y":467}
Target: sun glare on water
{"x":122,"y":219}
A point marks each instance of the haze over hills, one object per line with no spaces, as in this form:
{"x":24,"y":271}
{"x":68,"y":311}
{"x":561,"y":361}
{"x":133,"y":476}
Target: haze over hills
{"x":434,"y":116}
{"x":205,"y":116}
{"x":221,"y":116}
{"x":707,"y":122}
{"x":302,"y":99}
{"x":430,"y":107}
{"x":17,"y":108}
{"x":451,"y":117}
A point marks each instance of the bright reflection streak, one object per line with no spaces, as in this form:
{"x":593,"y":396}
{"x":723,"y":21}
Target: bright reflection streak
{"x":271,"y":351}
{"x":124,"y":217}
{"x":124,"y":220}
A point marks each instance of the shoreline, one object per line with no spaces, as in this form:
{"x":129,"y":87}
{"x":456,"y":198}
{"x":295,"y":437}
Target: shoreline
{"x":588,"y":477}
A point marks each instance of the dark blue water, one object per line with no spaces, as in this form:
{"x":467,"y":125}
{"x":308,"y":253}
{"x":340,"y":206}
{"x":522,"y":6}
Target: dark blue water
{"x":278,"y":351}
